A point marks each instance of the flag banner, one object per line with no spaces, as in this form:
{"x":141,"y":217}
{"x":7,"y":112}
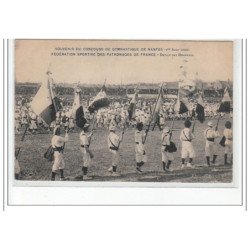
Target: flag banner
{"x":45,"y":104}
{"x":77,"y":109}
{"x":180,"y":106}
{"x":225,"y":103}
{"x":132,"y":104}
{"x":200,"y":110}
{"x":100,"y":101}
{"x":158,"y":106}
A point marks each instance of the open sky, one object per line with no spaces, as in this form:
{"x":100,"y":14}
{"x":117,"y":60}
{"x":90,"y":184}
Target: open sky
{"x":206,"y":60}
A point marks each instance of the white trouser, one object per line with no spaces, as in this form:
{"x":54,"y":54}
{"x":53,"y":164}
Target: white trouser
{"x":228,"y":146}
{"x":114,"y":157}
{"x":86,"y":157}
{"x":166,"y":156}
{"x":187,"y":150}
{"x":211,"y":148}
{"x":58,"y":161}
{"x":140,"y":154}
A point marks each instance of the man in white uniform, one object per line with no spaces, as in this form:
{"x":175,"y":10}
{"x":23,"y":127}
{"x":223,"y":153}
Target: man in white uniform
{"x":166,"y":156}
{"x":86,"y":153}
{"x":58,"y":143}
{"x":228,"y":133}
{"x":186,"y":138}
{"x":140,"y":154}
{"x":210,"y":147}
{"x":113,"y":143}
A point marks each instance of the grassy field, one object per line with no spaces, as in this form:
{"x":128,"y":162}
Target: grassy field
{"x":35,"y":167}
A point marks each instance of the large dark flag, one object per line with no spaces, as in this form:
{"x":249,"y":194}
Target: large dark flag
{"x":132,"y":104}
{"x":100,"y":101}
{"x":225,"y":103}
{"x":45,"y":104}
{"x":77,"y":109}
{"x":200,"y":109}
{"x":181,"y":106}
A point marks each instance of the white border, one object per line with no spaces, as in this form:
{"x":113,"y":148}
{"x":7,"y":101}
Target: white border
{"x":94,"y":193}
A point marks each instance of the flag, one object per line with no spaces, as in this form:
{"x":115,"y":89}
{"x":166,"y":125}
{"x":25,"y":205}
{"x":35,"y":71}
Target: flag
{"x":158,"y":107}
{"x":200,"y":110}
{"x":132,"y":104}
{"x":180,"y":106}
{"x":225,"y":103}
{"x":100,"y":101}
{"x":77,"y":109}
{"x":45,"y":104}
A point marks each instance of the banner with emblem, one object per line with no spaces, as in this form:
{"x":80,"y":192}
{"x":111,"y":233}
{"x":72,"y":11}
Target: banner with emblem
{"x":100,"y":101}
{"x":77,"y":109}
{"x":45,"y":104}
{"x":226,"y":102}
{"x":132,"y":104}
{"x":200,"y":109}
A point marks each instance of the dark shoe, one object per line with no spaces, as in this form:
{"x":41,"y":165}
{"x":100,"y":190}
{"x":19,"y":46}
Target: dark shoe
{"x":139,"y":169}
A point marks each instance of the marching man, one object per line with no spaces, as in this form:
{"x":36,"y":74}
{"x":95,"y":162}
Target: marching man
{"x":57,"y":143}
{"x":113,"y":142}
{"x":228,"y":133}
{"x":166,"y":156}
{"x":186,"y":138}
{"x":140,"y":154}
{"x":86,"y":153}
{"x":210,"y":147}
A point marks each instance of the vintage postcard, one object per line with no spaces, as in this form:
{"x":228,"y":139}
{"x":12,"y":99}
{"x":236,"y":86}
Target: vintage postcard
{"x":123,"y":111}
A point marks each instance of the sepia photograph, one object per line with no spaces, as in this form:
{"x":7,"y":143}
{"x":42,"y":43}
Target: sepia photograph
{"x":123,"y":111}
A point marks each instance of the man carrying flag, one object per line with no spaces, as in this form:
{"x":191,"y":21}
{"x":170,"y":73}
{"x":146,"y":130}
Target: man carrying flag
{"x":81,"y":122}
{"x":58,"y":143}
{"x":86,"y":153}
{"x":114,"y":141}
{"x":45,"y":104}
{"x":211,"y":149}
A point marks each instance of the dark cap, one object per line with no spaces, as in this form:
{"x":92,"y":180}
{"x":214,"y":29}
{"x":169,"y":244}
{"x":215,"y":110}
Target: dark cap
{"x":187,"y":124}
{"x":139,"y":125}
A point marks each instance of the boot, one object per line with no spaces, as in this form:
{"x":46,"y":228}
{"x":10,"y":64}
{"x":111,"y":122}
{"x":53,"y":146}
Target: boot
{"x":225,"y":160}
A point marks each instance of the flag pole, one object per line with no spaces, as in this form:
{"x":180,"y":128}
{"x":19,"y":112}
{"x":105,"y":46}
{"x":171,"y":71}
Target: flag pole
{"x":217,"y":124}
{"x":22,"y":139}
{"x":171,"y":129}
{"x":93,"y":123}
{"x":123,"y":130}
{"x":151,"y":119}
{"x":194,"y":125}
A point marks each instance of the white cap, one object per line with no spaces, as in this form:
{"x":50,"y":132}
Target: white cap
{"x":55,"y":129}
{"x":166,"y":129}
{"x":112,"y":128}
{"x":86,"y":125}
{"x":210,"y":124}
